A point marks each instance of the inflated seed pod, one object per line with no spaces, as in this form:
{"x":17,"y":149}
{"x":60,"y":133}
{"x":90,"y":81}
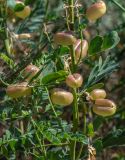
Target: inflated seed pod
{"x":98,"y":94}
{"x":23,"y":36}
{"x":96,"y":11}
{"x":23,"y":13}
{"x":18,"y":90}
{"x":64,"y":38}
{"x":61,"y":97}
{"x":30,"y":71}
{"x":74,"y":80}
{"x":104,"y":107}
{"x":81,"y":48}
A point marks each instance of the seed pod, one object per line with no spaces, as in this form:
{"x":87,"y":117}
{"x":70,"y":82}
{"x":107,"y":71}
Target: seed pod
{"x":30,"y":71}
{"x":18,"y":90}
{"x":23,"y":36}
{"x":74,"y":80}
{"x":104,"y":107}
{"x":98,"y":94}
{"x":23,"y":13}
{"x":96,"y":11}
{"x":81,"y":48}
{"x":61,"y":97}
{"x":64,"y":38}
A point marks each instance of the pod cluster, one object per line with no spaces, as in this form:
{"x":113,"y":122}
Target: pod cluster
{"x":67,"y":39}
{"x":103,"y":107}
{"x":62,"y":97}
{"x":23,"y":89}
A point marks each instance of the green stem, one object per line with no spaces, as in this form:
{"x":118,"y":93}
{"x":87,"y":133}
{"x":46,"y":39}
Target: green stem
{"x":38,"y":138}
{"x":73,"y":66}
{"x":84,"y":131}
{"x":74,"y":91}
{"x":54,"y":111}
{"x":75,"y":111}
{"x":75,"y":124}
{"x":119,"y":5}
{"x":71,"y":14}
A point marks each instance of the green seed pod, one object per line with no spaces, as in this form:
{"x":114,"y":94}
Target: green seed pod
{"x":30,"y":71}
{"x":96,"y":11}
{"x":104,"y":107}
{"x":74,"y":80}
{"x":24,"y":13}
{"x":18,"y":90}
{"x":81,"y":48}
{"x":98,"y":94}
{"x":64,"y":38}
{"x":61,"y":97}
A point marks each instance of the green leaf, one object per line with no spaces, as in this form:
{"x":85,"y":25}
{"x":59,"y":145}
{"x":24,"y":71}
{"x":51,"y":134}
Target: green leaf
{"x":28,"y":2}
{"x":64,"y":50}
{"x":98,"y":121}
{"x":115,"y":138}
{"x":99,"y":44}
{"x":19,"y":7}
{"x":98,"y":85}
{"x":7,"y":60}
{"x":110,"y":40}
{"x":100,"y":70}
{"x":95,"y":45}
{"x":52,"y":77}
{"x":12,"y":144}
{"x":98,"y":145}
{"x":90,"y":130}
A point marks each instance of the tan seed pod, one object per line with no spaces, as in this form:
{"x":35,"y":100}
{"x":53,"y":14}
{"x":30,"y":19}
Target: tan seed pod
{"x":18,"y":90}
{"x":81,"y":48}
{"x":74,"y":80}
{"x":96,"y":11}
{"x":98,"y":94}
{"x":104,"y":107}
{"x":64,"y":38}
{"x":24,"y":13}
{"x":23,"y":36}
{"x":61,"y":97}
{"x":30,"y":71}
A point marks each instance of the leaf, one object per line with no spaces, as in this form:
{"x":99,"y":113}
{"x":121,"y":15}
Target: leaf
{"x":100,"y":70}
{"x":98,"y":85}
{"x":98,"y":145}
{"x":95,"y":45}
{"x":115,"y":138}
{"x":110,"y":40}
{"x":64,"y":50}
{"x":98,"y":121}
{"x":99,"y":44}
{"x":19,"y":7}
{"x":52,"y":77}
{"x":12,"y":144}
{"x":28,"y":2}
{"x":7,"y":60}
{"x":90,"y":130}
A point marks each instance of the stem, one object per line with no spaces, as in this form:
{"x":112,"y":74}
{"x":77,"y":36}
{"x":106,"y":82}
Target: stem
{"x":71,"y":14}
{"x":84,"y":130}
{"x":73,"y":66}
{"x":75,"y":111}
{"x":38,"y":138}
{"x":54,"y":111}
{"x":119,"y":5}
{"x":75,"y":124}
{"x":74,"y":91}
